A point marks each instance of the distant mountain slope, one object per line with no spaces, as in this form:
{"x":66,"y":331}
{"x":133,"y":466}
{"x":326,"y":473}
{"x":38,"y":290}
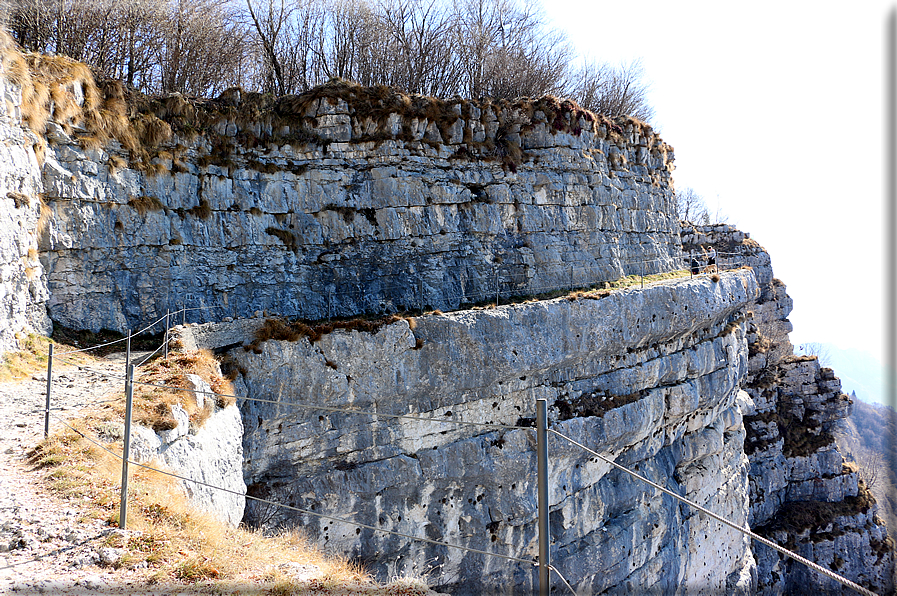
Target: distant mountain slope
{"x":870,"y":437}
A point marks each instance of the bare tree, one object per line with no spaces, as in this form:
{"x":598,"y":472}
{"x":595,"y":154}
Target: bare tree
{"x":690,"y":207}
{"x":613,"y":90}
{"x":420,"y":31}
{"x":475,"y":48}
{"x":269,"y":18}
{"x":31,"y":24}
{"x":201,"y":48}
{"x":873,"y":466}
{"x":505,"y":50}
{"x":820,"y":350}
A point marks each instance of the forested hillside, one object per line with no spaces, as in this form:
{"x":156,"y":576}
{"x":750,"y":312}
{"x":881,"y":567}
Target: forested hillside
{"x":870,"y":437}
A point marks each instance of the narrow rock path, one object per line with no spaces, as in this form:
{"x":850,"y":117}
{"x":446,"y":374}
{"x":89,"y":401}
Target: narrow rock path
{"x":47,"y":544}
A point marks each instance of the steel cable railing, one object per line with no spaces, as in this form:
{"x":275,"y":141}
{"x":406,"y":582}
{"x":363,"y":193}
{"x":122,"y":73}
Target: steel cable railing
{"x":746,"y":531}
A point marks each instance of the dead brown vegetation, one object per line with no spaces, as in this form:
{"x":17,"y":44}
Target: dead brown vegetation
{"x":203,"y":210}
{"x":288,"y":238}
{"x":153,"y":405}
{"x":178,"y":546}
{"x":595,"y":404}
{"x":283,"y":330}
{"x":800,"y":516}
{"x":145,"y":204}
{"x":19,"y":200}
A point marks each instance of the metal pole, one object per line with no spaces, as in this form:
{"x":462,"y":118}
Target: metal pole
{"x":641,"y":269}
{"x":129,"y":393}
{"x":571,"y":278}
{"x":184,"y":314}
{"x":496,"y":286}
{"x":542,"y":492}
{"x":128,"y":353}
{"x":167,"y":314}
{"x":49,"y":385}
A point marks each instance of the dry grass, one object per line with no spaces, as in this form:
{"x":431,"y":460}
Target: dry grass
{"x":145,"y":204}
{"x":608,"y":288}
{"x":152,"y":405}
{"x":288,"y":238}
{"x":202,"y":211}
{"x":180,"y":544}
{"x":283,"y":330}
{"x":143,"y":124}
{"x":31,"y":358}
{"x":44,"y":219}
{"x":116,"y":163}
{"x":19,"y":200}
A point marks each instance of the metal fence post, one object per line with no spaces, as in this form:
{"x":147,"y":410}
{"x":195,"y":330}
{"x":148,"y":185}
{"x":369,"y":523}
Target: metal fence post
{"x":167,"y":314}
{"x":128,"y":353}
{"x":129,"y":395}
{"x":542,"y":492}
{"x":49,"y":385}
{"x":496,"y":286}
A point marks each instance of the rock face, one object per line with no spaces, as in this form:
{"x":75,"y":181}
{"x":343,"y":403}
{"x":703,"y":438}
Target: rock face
{"x":23,"y":287}
{"x":211,"y":454}
{"x":649,"y":378}
{"x":315,"y":207}
{"x":803,"y":494}
{"x":341,"y":224}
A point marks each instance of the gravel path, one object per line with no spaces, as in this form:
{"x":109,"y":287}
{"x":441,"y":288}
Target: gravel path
{"x":47,"y":545}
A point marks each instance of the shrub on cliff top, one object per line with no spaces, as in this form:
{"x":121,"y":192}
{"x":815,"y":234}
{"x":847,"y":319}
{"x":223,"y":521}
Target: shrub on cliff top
{"x":143,"y":124}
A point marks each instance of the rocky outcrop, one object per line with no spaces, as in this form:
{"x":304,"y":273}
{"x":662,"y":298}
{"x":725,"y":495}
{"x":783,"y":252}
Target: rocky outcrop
{"x":23,"y":287}
{"x":803,"y":494}
{"x":342,"y":214}
{"x":648,"y":377}
{"x":349,"y":200}
{"x":211,"y":454}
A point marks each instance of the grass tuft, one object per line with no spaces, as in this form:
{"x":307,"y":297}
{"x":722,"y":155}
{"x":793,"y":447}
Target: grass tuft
{"x":19,"y":200}
{"x":145,"y":204}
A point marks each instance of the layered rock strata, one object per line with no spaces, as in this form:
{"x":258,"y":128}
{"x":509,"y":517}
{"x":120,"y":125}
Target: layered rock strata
{"x":341,"y":214}
{"x":647,"y":377}
{"x":23,"y":287}
{"x":803,"y":494}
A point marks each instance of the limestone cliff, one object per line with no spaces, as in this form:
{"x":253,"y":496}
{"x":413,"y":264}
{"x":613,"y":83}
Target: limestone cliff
{"x":343,"y":213}
{"x":803,"y":493}
{"x":650,"y":377}
{"x":211,"y":453}
{"x":349,"y":200}
{"x":23,"y":286}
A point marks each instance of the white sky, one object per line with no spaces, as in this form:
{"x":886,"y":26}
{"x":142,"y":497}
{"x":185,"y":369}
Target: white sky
{"x":776,"y":111}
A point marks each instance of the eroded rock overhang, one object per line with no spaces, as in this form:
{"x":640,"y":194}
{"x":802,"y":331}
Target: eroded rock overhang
{"x":648,"y":376}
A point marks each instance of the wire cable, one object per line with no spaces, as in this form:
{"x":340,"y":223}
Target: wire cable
{"x":298,"y":509}
{"x":147,"y":358}
{"x":814,"y":566}
{"x":90,"y":348}
{"x":563,"y":579}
